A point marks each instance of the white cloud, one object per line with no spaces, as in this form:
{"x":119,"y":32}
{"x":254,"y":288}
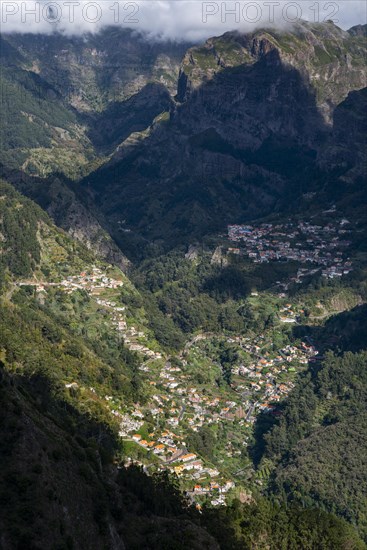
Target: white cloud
{"x":171,"y":19}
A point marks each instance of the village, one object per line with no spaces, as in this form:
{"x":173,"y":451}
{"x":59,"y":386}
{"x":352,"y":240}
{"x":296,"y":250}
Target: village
{"x":321,"y":246}
{"x":180,"y":403}
{"x":96,"y":283}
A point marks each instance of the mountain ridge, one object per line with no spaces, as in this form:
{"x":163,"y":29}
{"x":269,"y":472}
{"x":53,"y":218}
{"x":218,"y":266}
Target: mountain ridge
{"x":239,"y":136}
{"x":138,"y":403}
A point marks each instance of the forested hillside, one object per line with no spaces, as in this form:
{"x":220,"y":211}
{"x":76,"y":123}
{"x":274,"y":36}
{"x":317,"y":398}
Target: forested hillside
{"x":183,"y":267}
{"x":318,"y":447}
{"x":60,"y":445}
{"x":69,"y":101}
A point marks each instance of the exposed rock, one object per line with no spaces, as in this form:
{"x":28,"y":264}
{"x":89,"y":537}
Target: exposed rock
{"x":69,"y":213}
{"x":192,"y":253}
{"x":323,"y":53}
{"x":253,"y":112}
{"x":218,"y":258}
{"x":345,"y":150}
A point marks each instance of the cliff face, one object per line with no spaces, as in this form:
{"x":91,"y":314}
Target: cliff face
{"x":249,"y":130}
{"x":56,"y":196}
{"x":69,"y":213}
{"x":248,"y":103}
{"x":330,"y":60}
{"x":345,"y":150}
{"x":69,"y":101}
{"x":252,"y":114}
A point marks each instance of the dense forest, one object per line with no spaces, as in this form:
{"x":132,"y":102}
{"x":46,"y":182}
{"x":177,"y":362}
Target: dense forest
{"x":317,"y":448}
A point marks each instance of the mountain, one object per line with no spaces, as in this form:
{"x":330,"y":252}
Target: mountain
{"x":253,"y":113}
{"x":167,"y":381}
{"x":71,"y":100}
{"x":202,"y":136}
{"x":62,"y":369}
{"x":56,"y":196}
{"x":319,"y":52}
{"x":94,"y":70}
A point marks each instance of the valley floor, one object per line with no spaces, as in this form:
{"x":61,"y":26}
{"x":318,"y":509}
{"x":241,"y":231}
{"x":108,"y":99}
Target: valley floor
{"x":197,"y":391}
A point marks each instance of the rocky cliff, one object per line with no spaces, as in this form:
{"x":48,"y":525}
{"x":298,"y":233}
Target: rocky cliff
{"x":252,"y":114}
{"x":331,"y":61}
{"x":176,"y":142}
{"x":57,"y":197}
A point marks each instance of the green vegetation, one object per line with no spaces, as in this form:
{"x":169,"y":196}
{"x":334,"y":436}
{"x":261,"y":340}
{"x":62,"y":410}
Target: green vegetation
{"x":269,"y":525}
{"x":20,"y":248}
{"x":67,"y":102}
{"x":39,"y":132}
{"x":64,"y":350}
{"x":59,"y":358}
{"x":197,"y":350}
{"x":323,"y":58}
{"x":183,"y":296}
{"x":30,"y":244}
{"x":319,"y":444}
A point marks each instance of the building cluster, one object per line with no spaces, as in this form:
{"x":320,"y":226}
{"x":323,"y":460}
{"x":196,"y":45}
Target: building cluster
{"x":322,"y":246}
{"x":266,"y":379}
{"x":128,"y":424}
{"x":178,"y":404}
{"x":102,"y":288}
{"x":170,"y":449}
{"x":94,"y":282}
{"x":133,"y":338}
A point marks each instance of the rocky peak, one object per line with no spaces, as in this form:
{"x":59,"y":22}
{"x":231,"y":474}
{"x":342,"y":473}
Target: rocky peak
{"x":358,"y":30}
{"x":261,"y":46}
{"x":321,"y":53}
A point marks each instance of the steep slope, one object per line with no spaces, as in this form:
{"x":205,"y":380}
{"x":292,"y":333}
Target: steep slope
{"x":61,"y":364}
{"x":324,"y":441}
{"x":57,"y":197}
{"x":39,"y":132}
{"x":345,"y":151}
{"x":51,"y":321}
{"x":46,"y":498}
{"x":94,"y":70}
{"x":253,"y":112}
{"x":328,"y":58}
{"x":71,"y":100}
{"x":318,"y":446}
{"x":59,"y":487}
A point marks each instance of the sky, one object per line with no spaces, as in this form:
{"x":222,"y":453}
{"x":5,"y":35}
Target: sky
{"x":189,"y":20}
